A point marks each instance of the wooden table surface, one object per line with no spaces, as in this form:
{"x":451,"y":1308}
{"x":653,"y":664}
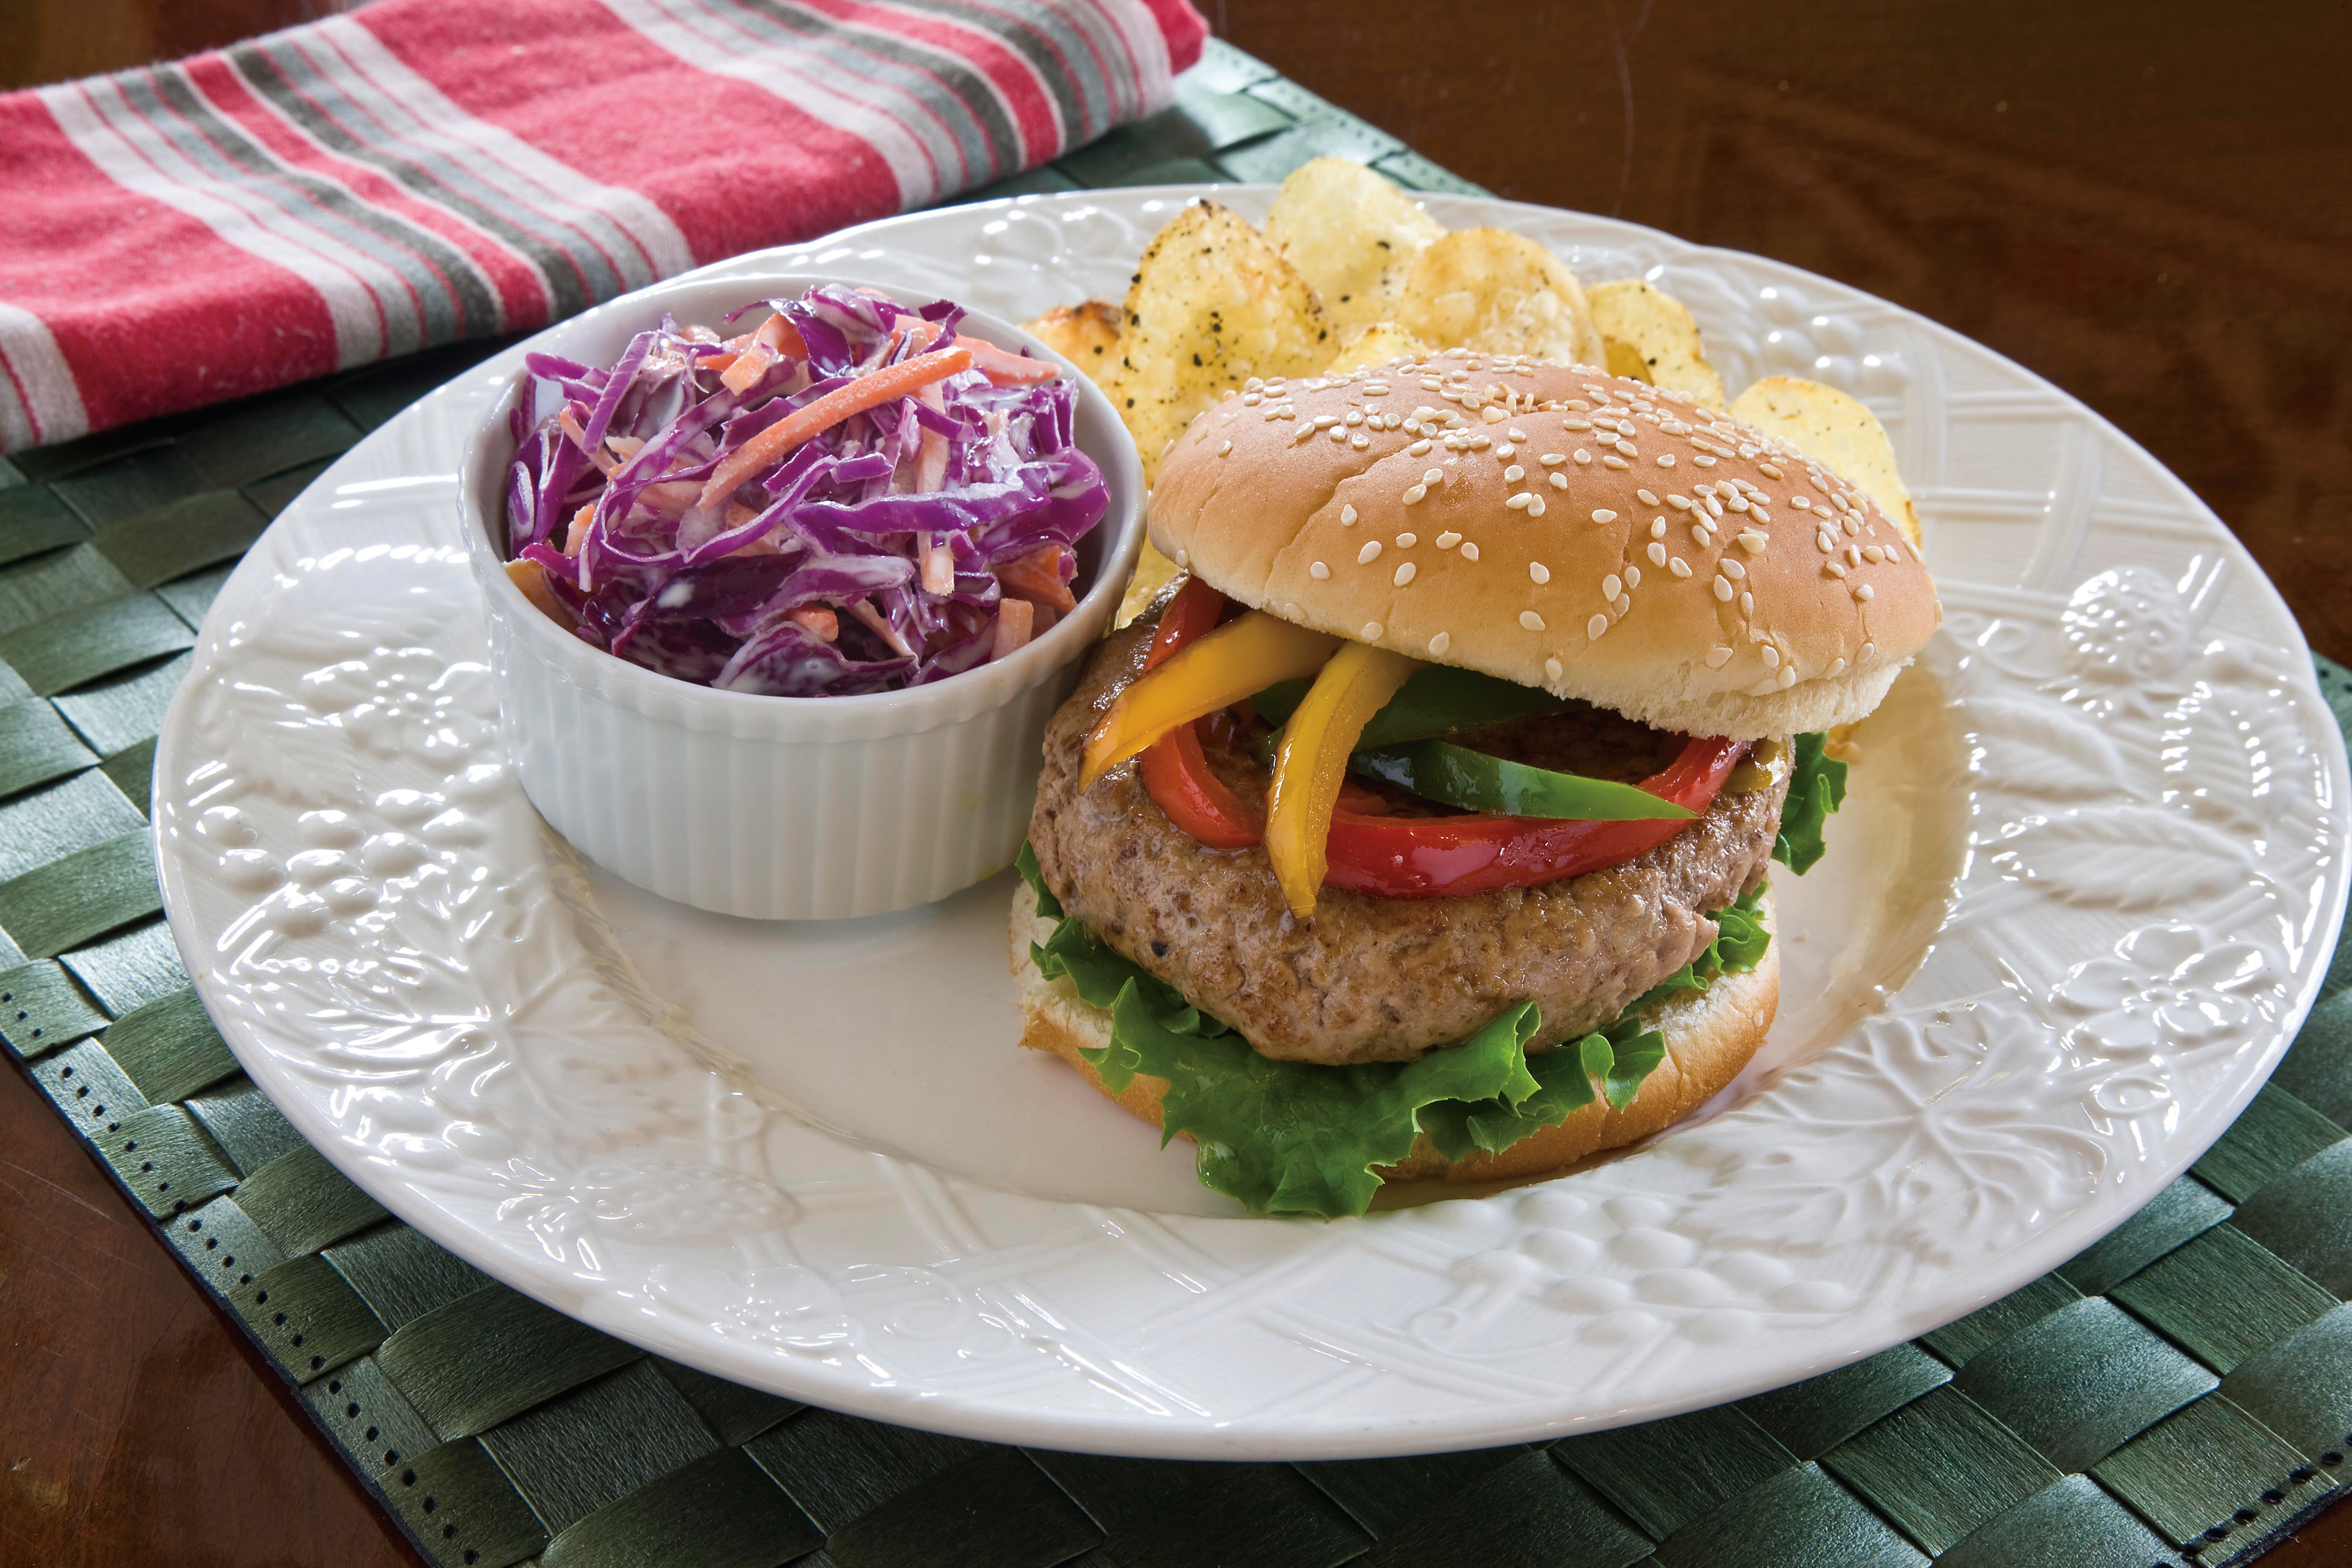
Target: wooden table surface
{"x":2146,"y":202}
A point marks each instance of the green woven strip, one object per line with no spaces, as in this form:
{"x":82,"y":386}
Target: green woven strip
{"x":1238,"y":1514}
{"x":39,"y":827}
{"x":2223,"y":1297}
{"x":274,"y":494}
{"x":124,"y":710}
{"x":734,"y":1414}
{"x":1959,"y":1342}
{"x":2071,"y":1523}
{"x":124,"y":487}
{"x":358,"y":1407}
{"x":2276,"y":1134}
{"x":2081,"y":1381}
{"x":457,"y":1503}
{"x":1381,"y":1494}
{"x":1526,"y":1509}
{"x":98,"y":639}
{"x":2305,"y":1217}
{"x":1939,"y":1468}
{"x":307,"y":1317}
{"x":1810,"y":1416}
{"x":169,"y":1047}
{"x":303,"y":1204}
{"x":175,"y":540}
{"x":493,"y":1354}
{"x":41,"y":1009}
{"x":32,"y":520}
{"x":650,"y":1431}
{"x":1415,"y":172}
{"x":2174,"y":1215}
{"x":402,"y":1275}
{"x":35,"y":746}
{"x":2302,"y":1387}
{"x":837,"y":1469}
{"x":722,"y":1512}
{"x":132,"y":770}
{"x":67,"y":901}
{"x":2318,"y":1070}
{"x":248,"y":1129}
{"x":1666,"y":1473}
{"x":265,"y":436}
{"x":2191,"y":1473}
{"x":44,"y":586}
{"x":88,"y":1089}
{"x":165,"y":1160}
{"x":131,"y":968}
{"x":997,"y":1511}
{"x":221,"y":1246}
{"x":1798,"y":1508}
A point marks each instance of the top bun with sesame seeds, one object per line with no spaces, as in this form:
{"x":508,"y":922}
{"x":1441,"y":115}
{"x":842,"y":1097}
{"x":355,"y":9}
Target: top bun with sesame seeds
{"x":1556,"y":526}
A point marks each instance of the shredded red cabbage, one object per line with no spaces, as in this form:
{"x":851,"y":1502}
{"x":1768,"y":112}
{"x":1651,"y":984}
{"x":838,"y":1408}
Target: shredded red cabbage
{"x":810,"y":579}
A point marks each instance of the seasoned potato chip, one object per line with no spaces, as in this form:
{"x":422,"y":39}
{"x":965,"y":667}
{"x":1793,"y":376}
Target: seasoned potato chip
{"x":1351,"y":234}
{"x":1834,"y":430}
{"x":1154,"y":572}
{"x":1088,"y":334}
{"x":1491,"y":290}
{"x":1212,"y":304}
{"x":1652,"y":338}
{"x":1375,"y":342}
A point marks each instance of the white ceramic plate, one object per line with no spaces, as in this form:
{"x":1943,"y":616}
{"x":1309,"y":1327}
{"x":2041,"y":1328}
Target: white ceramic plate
{"x":2083,"y":892}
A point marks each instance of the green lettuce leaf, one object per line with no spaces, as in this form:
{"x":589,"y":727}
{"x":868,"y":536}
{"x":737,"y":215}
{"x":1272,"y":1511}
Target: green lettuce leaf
{"x":1816,"y":788}
{"x":1286,"y":1137}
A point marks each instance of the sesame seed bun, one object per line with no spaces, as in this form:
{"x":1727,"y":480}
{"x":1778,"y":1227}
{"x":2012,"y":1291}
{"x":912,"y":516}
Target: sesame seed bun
{"x":1688,"y":610}
{"x":1710,"y":1036}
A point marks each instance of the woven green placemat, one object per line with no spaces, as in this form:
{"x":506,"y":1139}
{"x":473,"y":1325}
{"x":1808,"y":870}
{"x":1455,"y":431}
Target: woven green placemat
{"x":2177,"y":1393}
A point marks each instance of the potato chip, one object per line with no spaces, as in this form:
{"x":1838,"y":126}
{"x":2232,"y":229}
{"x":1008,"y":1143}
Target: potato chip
{"x":1835,"y":431}
{"x":1351,"y":234}
{"x":1087,"y":336}
{"x":1212,"y":304}
{"x":1491,"y":290}
{"x":1154,"y":572}
{"x":1652,"y":338}
{"x":1375,"y":342}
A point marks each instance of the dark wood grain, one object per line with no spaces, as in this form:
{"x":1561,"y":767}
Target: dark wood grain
{"x":2145,"y":204}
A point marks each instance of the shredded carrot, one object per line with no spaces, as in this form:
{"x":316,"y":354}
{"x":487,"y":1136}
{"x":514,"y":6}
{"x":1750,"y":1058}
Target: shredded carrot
{"x":578,"y":535}
{"x":1004,"y":368}
{"x":1038,"y":576}
{"x":869,"y":391}
{"x":782,"y":337}
{"x":1015,"y":620}
{"x":821,"y":622}
{"x":531,"y":578}
{"x":747,"y":369}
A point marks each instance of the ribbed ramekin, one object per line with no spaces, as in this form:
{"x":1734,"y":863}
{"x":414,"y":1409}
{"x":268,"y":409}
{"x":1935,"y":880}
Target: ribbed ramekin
{"x":778,"y":808}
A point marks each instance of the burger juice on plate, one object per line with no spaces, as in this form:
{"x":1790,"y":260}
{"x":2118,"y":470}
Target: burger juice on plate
{"x":1422,"y":828}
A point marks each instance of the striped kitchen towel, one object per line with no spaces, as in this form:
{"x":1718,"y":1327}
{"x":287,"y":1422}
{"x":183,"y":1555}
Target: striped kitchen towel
{"x":426,"y":170}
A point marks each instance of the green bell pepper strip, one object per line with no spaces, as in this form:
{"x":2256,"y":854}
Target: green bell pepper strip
{"x":1439,"y":700}
{"x":1456,"y":775}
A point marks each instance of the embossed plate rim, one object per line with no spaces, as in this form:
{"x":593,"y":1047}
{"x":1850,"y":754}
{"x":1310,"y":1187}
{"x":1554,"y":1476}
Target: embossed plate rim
{"x":1408,"y":1417}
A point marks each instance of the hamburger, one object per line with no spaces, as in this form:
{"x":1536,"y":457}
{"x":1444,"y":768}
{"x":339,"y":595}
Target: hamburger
{"x":1422,"y":827}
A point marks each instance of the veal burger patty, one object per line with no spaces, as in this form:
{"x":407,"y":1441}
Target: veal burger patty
{"x":1373,"y":979}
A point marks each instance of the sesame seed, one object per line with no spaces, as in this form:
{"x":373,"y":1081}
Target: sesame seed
{"x":1713,"y":507}
{"x":1535,"y":507}
{"x":1788,"y":676}
{"x":1863,"y":593}
{"x":1755,"y":509}
{"x":1699,"y":532}
{"x":1224,"y":447}
{"x":1718,"y":656}
{"x":1407,"y":541}
{"x":1834,"y":568}
{"x":1611,"y":586}
{"x":1404,"y":574}
{"x":1347,"y":516}
{"x":1559,"y":481}
{"x":1723,"y":590}
{"x":1507,"y":450}
{"x":1251,"y":399}
{"x":1873,"y":553}
{"x":1439,"y":643}
{"x":1666,"y":459}
{"x":1868,"y":648}
{"x":1582,"y":455}
{"x":1419,"y":447}
{"x":1730,"y":567}
{"x":1292,"y":610}
{"x":1837,"y":667}
{"x":1626,"y":449}
{"x":1360,"y":442}
{"x":1513,"y":474}
{"x":1751,"y":541}
{"x":1478,"y":443}
{"x":1448,"y":540}
{"x":1415,"y":493}
{"x":1368,"y":553}
{"x":1647,"y":498}
{"x":1736,"y":501}
{"x":1435,"y":476}
{"x":1551,"y":670}
{"x":1603,"y":514}
{"x":1658,"y":554}
{"x":1338,"y":436}
{"x":1469,"y":551}
{"x":1538,"y":571}
{"x":1516,"y":435}
{"x":1633,"y":576}
{"x":1704,"y":462}
{"x":1679,"y":567}
{"x":1492,"y":415}
{"x":1657,"y":528}
{"x":1324,"y":421}
{"x":1827,"y":543}
{"x":1771,"y":656}
{"x":1747,"y":605}
{"x":1529,"y":619}
{"x":1613,"y":462}
{"x":1355,"y":418}
{"x":1253,"y":384}
{"x":1854,"y":555}
{"x":1183,"y":558}
{"x":1771,"y":470}
{"x":1317,"y":570}
{"x":1850,"y":525}
{"x":1680,"y":503}
{"x":1552,"y":459}
{"x":1576,"y":424}
{"x":1519,"y":502}
{"x":1371,"y":631}
{"x":1595,"y":627}
{"x":1801,"y":502}
{"x":1624,"y":604}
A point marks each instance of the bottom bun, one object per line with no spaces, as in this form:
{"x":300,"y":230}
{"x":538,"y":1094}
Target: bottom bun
{"x":1710,"y":1036}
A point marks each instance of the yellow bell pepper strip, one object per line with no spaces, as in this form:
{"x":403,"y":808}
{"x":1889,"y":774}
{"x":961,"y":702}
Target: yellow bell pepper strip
{"x":1313,"y":763}
{"x":1245,"y":655}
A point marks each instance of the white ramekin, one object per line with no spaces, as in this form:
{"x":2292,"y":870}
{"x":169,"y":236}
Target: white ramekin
{"x":780,"y":807}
